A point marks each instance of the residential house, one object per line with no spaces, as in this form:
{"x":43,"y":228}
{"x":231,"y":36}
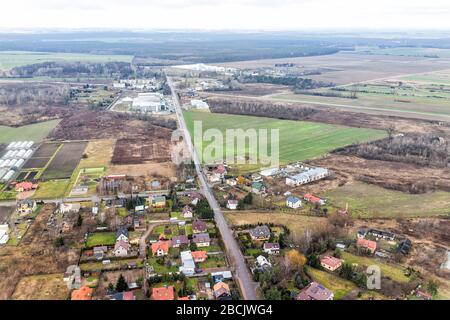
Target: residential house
{"x":362,"y":233}
{"x":263,"y":263}
{"x":260,"y":233}
{"x":220,"y":171}
{"x":121,"y":248}
{"x":25,"y":186}
{"x":163,"y":293}
{"x":160,"y":248}
{"x":256,"y":177}
{"x":404,"y":246}
{"x":187,"y":212}
{"x":315,"y":291}
{"x":180,"y":240}
{"x":232,"y":204}
{"x":122,"y":234}
{"x":258,"y":188}
{"x":72,"y":277}
{"x":271,"y":248}
{"x":199,"y":256}
{"x":158,"y":201}
{"x":201,"y":239}
{"x":386,"y":235}
{"x":84,"y":293}
{"x":307,"y":176}
{"x":222,"y":291}
{"x":221,"y":275}
{"x":293,"y":202}
{"x":69,"y":207}
{"x":366,"y":244}
{"x":188,"y":264}
{"x":99,"y":252}
{"x":330,"y":263}
{"x":199,"y":226}
{"x":313,"y":199}
{"x":26,"y":206}
{"x":127,"y":295}
{"x":231,"y":182}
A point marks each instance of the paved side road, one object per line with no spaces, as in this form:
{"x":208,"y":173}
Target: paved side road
{"x":235,"y":256}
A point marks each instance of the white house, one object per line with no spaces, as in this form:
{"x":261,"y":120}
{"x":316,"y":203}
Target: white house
{"x":121,"y":248}
{"x":232,"y":204}
{"x":231,"y":182}
{"x":69,"y":207}
{"x":188,"y":267}
{"x":293,"y":202}
{"x":262,"y":262}
{"x":271,"y":248}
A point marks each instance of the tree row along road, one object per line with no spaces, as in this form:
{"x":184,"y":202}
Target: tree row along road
{"x":235,"y":256}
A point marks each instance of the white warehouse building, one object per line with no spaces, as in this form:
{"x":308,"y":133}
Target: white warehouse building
{"x":307,"y":176}
{"x":148,"y":102}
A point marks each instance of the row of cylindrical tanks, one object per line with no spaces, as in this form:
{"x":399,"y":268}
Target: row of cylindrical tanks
{"x":20,"y":145}
{"x":11,"y":163}
{"x":6,"y":174}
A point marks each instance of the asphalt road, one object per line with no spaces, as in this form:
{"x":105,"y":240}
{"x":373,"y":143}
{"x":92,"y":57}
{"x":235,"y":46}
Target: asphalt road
{"x":235,"y":256}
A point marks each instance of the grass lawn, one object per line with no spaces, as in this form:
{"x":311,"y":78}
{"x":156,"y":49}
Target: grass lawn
{"x":299,"y":140}
{"x":387,"y":270}
{"x":8,"y":195}
{"x":122,"y":212}
{"x":33,"y":132}
{"x":213,"y":261}
{"x":11,"y":59}
{"x":369,"y":201}
{"x":101,"y":239}
{"x":99,"y":153}
{"x":340,"y":287}
{"x":51,"y":189}
{"x":161,"y":269}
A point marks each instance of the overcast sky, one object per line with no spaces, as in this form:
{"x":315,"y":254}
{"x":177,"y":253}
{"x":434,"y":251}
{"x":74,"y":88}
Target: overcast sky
{"x":226,"y":14}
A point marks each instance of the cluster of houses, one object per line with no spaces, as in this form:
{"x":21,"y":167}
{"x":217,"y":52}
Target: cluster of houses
{"x":367,"y":239}
{"x":263,"y":234}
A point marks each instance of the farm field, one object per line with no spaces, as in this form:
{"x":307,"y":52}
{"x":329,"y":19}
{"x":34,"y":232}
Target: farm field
{"x":11,"y":59}
{"x":299,"y":140}
{"x":406,"y":51}
{"x":41,"y":287}
{"x":65,"y":161}
{"x":34,"y":132}
{"x":370,"y":201}
{"x":99,"y":153}
{"x":296,"y":223}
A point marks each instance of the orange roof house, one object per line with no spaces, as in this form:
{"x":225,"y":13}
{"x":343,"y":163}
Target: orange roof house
{"x":84,"y":293}
{"x":367,"y":244}
{"x":313,"y":199}
{"x":163,"y":293}
{"x":199,"y":256}
{"x":160,"y":248}
{"x":25,"y":186}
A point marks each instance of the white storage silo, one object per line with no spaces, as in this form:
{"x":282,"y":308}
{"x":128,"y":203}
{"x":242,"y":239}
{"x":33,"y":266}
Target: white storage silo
{"x":21,"y":153}
{"x":29,"y":144}
{"x":8,"y":175}
{"x":13,"y":162}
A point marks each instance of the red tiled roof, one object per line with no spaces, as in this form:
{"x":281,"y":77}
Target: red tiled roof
{"x":84,"y":293}
{"x":199,"y":255}
{"x":369,"y":244}
{"x":24,"y":185}
{"x":331,"y":261}
{"x":160,"y":245}
{"x":311,"y":198}
{"x":163,"y":293}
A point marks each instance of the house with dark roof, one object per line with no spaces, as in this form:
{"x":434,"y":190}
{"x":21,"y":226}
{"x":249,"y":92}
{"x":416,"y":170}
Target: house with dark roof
{"x":179,"y":240}
{"x":260,"y":233}
{"x":187,"y":211}
{"x":122,"y":234}
{"x":199,"y":226}
{"x":271,"y":248}
{"x":258,"y":187}
{"x":315,"y":291}
{"x":201,"y":239}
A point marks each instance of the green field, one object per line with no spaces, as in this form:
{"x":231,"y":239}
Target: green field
{"x":34,"y":132}
{"x":11,"y":59}
{"x":387,"y":270}
{"x":101,"y":239}
{"x":369,"y":201}
{"x":299,"y":140}
{"x":406,"y":51}
{"x":52,"y":189}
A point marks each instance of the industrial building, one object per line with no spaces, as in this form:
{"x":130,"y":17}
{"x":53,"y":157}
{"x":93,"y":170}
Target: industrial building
{"x":149,"y":102}
{"x":307,"y":176}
